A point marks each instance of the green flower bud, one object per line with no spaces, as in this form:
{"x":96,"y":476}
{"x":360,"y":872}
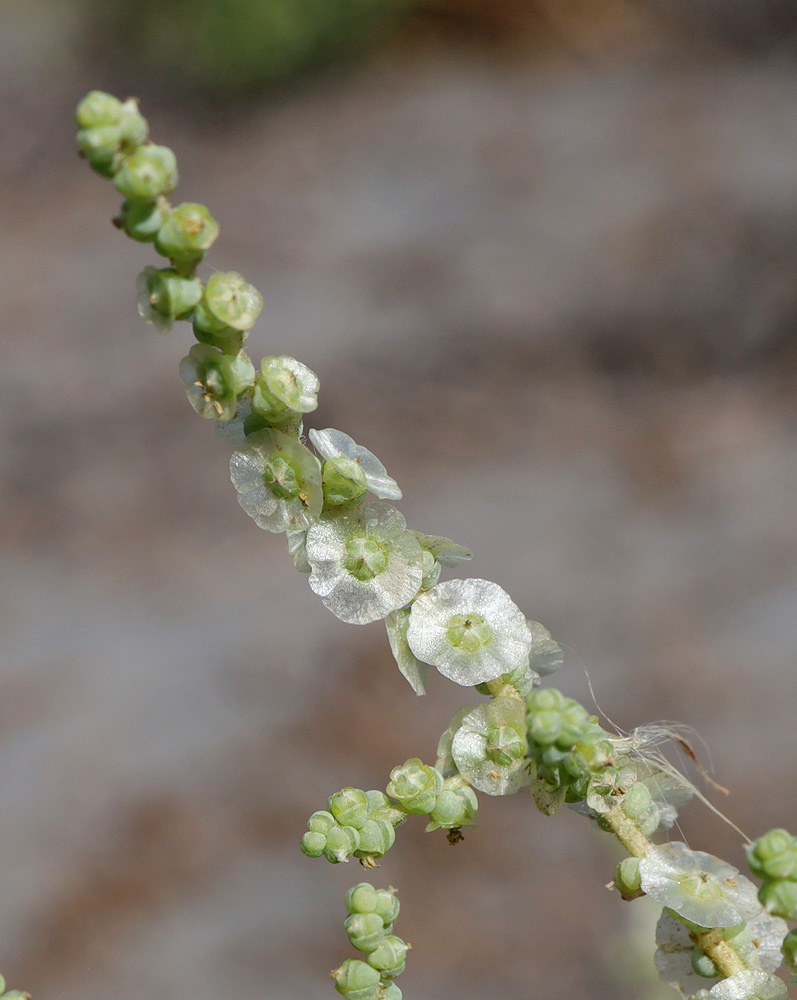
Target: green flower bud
{"x":789,"y":950}
{"x":133,"y":125}
{"x":285,"y":387}
{"x":356,"y":980}
{"x":148,"y":172}
{"x":456,"y":805}
{"x":415,"y":785}
{"x":141,"y":220}
{"x":187,"y":233}
{"x":339,"y":490}
{"x":389,"y":956}
{"x":209,"y":330}
{"x":2,"y":985}
{"x":365,"y":930}
{"x":774,"y":855}
{"x":98,"y":108}
{"x":164,"y":296}
{"x":779,"y":897}
{"x":377,"y":836}
{"x":312,"y":845}
{"x":213,"y":380}
{"x":349,"y":806}
{"x":362,"y":898}
{"x":387,"y":906}
{"x":627,"y":879}
{"x":233,"y":301}
{"x":342,"y":842}
{"x":702,"y":965}
{"x":101,"y":145}
{"x":392,"y":992}
{"x":321,"y":822}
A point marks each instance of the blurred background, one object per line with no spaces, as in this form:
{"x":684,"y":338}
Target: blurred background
{"x":542,"y":254}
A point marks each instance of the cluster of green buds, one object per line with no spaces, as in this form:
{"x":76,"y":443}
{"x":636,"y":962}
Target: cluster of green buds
{"x":355,"y":824}
{"x":773,"y":858}
{"x":567,"y":745}
{"x":369,"y":925}
{"x":12,"y":994}
{"x":449,"y":802}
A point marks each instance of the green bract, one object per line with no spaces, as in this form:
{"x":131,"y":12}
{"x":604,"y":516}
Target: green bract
{"x":416,"y":673}
{"x":470,"y":630}
{"x":141,"y":220}
{"x":102,"y":147}
{"x":774,"y":855}
{"x":389,"y":956}
{"x":213,"y":380}
{"x":365,"y":930}
{"x":779,"y":896}
{"x":365,"y":563}
{"x":698,"y":886}
{"x":489,"y":748}
{"x":232,"y":301}
{"x":148,"y":172}
{"x":356,"y":980}
{"x":98,"y":108}
{"x":415,"y":785}
{"x":284,"y":388}
{"x":187,"y":232}
{"x":349,"y":806}
{"x":355,"y":463}
{"x":455,"y":807}
{"x":164,"y":296}
{"x":278,"y":481}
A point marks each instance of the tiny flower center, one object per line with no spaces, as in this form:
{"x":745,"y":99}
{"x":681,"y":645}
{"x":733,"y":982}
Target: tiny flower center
{"x":365,"y":557}
{"x":468,"y":632}
{"x":505,"y":745}
{"x":280,"y":477}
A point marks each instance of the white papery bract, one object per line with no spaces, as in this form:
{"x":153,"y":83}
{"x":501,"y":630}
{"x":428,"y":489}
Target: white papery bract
{"x":698,"y":886}
{"x":297,"y":550}
{"x":471,"y":630}
{"x":355,"y":462}
{"x":753,"y":984}
{"x":546,"y":654}
{"x":364,"y":562}
{"x":489,"y":748}
{"x":757,"y":943}
{"x":278,"y":481}
{"x":673,"y":957}
{"x":415,"y":672}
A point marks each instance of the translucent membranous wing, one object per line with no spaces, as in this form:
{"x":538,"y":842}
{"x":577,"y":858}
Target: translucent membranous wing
{"x":415,"y":672}
{"x":546,"y":655}
{"x":698,"y":886}
{"x":445,"y":551}
{"x":350,"y":458}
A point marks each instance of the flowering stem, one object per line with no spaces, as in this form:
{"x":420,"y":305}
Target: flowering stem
{"x":721,"y":952}
{"x":627,"y":832}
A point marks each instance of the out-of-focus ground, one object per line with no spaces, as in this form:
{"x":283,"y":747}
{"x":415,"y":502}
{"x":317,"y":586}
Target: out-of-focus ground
{"x":545,"y":268}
